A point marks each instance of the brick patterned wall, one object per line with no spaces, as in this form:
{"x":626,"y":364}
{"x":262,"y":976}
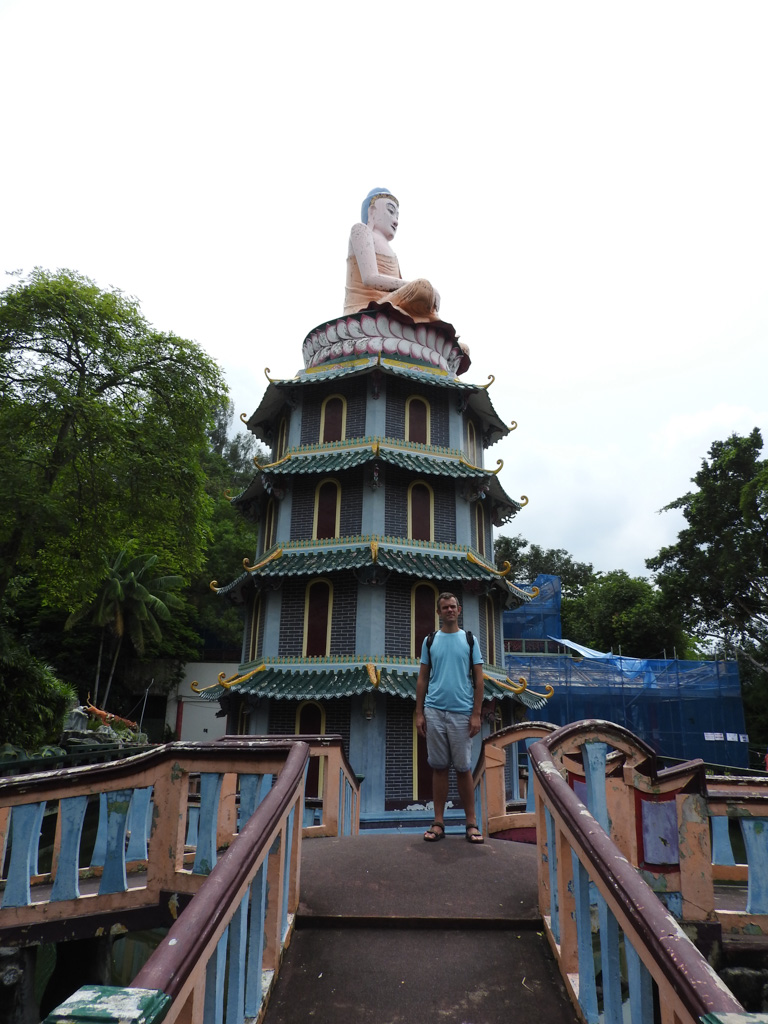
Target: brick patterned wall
{"x":254,"y":645}
{"x":397,"y":629}
{"x":344,"y":616}
{"x":398,"y":784}
{"x":355,"y":392}
{"x":396,"y":509}
{"x":282,"y":717}
{"x":397,"y":392}
{"x":303,"y":505}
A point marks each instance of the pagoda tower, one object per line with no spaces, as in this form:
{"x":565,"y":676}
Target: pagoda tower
{"x":375,"y":499}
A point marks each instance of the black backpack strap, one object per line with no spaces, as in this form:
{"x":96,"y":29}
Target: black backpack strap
{"x":471,"y":642}
{"x":430,"y":641}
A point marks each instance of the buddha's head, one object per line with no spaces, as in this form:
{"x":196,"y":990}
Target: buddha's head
{"x":378,"y":198}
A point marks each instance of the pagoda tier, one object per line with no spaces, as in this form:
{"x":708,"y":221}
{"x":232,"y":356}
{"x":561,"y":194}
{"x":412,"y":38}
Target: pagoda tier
{"x":374,"y":500}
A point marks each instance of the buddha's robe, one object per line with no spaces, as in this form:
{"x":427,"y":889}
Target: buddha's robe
{"x":416,"y":299}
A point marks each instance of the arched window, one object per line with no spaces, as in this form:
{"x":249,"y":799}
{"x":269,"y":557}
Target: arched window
{"x":318,"y":609}
{"x":253,"y":644}
{"x":282,"y":439}
{"x":310,"y":721}
{"x":270,"y":524}
{"x":490,"y":631}
{"x":327,"y":517}
{"x":480,"y":527}
{"x":333,"y":419}
{"x":471,"y":443}
{"x":417,"y":420}
{"x":423,"y":614}
{"x":421,"y":516}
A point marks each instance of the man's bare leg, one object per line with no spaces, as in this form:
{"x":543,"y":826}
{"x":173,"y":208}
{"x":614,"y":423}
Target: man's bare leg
{"x":466,"y":788}
{"x":439,"y":791}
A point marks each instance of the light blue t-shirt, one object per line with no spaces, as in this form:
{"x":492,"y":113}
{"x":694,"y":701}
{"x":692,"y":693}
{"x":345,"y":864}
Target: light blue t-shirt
{"x":450,"y":688}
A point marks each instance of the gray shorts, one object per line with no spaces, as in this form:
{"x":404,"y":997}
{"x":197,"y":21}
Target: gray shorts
{"x":448,"y":740}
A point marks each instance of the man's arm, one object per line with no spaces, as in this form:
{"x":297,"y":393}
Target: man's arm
{"x":477,"y":703}
{"x":421,"y":692}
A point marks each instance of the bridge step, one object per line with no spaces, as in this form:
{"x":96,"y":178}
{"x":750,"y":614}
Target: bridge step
{"x":391,"y":928}
{"x":346,"y":976}
{"x":401,"y":877}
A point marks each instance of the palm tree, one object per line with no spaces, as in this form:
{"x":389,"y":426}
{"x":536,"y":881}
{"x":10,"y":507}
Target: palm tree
{"x":129,"y":602}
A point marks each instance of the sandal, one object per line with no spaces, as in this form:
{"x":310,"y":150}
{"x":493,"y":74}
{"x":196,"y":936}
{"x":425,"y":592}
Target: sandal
{"x":430,"y":836}
{"x":476,"y":837}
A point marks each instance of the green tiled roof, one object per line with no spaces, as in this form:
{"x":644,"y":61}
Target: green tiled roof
{"x":419,"y":459}
{"x":476,"y":395}
{"x":292,"y":679}
{"x":426,"y":561}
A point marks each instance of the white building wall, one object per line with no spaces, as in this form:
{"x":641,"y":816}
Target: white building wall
{"x":199,"y":723}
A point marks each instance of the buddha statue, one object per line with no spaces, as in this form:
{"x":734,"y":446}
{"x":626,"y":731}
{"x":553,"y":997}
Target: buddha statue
{"x":373,"y":273}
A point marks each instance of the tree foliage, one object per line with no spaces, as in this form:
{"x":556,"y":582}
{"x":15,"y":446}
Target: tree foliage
{"x":716,"y":573}
{"x":102,"y":424}
{"x":529,"y":560}
{"x":624,"y":614}
{"x":131,"y":602}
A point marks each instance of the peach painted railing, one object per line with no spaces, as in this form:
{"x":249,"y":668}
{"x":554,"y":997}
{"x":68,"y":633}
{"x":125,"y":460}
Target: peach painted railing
{"x":671,"y":824}
{"x":150,"y":794}
{"x":600,"y":916}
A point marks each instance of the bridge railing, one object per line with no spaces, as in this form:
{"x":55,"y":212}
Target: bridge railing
{"x":600,"y":916}
{"x":163,"y":816}
{"x":745,"y":800}
{"x":220,"y":959}
{"x":503,"y":790}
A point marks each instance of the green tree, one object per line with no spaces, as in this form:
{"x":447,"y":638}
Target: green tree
{"x":529,"y":560}
{"x":624,"y":614}
{"x":716,"y":573}
{"x":130,"y":602}
{"x":102,"y":426}
{"x":33,"y":698}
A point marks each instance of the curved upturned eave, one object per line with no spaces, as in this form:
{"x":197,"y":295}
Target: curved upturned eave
{"x":335,"y":677}
{"x":261,"y":422}
{"x":339,"y":456}
{"x":375,"y":554}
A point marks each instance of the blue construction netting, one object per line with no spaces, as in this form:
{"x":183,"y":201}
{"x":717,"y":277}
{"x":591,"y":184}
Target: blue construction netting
{"x":540,"y":617}
{"x":682,"y":709}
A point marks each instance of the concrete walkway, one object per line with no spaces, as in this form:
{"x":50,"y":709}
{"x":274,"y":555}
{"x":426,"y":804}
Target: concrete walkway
{"x":391,"y":929}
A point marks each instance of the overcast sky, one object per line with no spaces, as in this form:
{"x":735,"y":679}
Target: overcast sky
{"x":586,"y":184}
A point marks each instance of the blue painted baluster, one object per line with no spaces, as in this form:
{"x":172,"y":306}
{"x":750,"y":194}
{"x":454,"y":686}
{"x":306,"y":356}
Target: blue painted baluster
{"x":594,"y":756}
{"x":610,"y":963}
{"x":25,"y":838}
{"x":72,"y":815}
{"x":755,"y":833}
{"x":640,"y":987}
{"x":114,"y":878}
{"x":554,"y":910}
{"x":215,"y":975}
{"x":36,"y":846}
{"x":253,"y":985}
{"x":138,"y":824}
{"x":513,"y":763}
{"x":100,"y":846}
{"x":530,"y":799}
{"x":193,"y":824}
{"x":253,"y":789}
{"x":722,"y":851}
{"x":587,"y":984}
{"x":349,"y":799}
{"x":238,"y":952}
{"x":340,"y":823}
{"x":205,"y":855}
{"x":287,"y":872}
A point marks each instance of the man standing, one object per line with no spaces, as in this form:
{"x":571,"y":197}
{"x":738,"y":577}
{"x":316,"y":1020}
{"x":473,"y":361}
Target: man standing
{"x":448,"y":703}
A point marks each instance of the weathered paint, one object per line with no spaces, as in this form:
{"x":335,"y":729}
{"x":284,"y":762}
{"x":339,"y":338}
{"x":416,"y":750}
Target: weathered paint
{"x":102,"y":1004}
